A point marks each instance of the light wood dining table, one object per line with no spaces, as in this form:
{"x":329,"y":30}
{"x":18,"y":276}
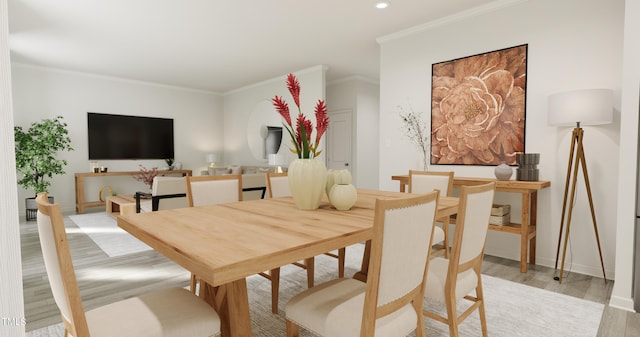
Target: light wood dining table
{"x":224,"y":244}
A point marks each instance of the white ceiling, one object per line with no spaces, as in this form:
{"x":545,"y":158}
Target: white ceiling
{"x":213,"y":45}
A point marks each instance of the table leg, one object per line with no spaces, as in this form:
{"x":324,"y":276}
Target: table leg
{"x":231,"y":301}
{"x":533,"y":222}
{"x":364,"y":270}
{"x":524,"y":232}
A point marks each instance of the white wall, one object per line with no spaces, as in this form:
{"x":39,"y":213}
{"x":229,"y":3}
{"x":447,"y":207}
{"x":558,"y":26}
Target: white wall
{"x":567,"y":49}
{"x":630,"y":107}
{"x":11,"y":293}
{"x":239,"y":105}
{"x":44,"y":93}
{"x":362,"y":97}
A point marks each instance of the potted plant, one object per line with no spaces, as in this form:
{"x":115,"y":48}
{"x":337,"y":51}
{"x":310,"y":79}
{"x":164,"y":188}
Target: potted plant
{"x":36,"y":150}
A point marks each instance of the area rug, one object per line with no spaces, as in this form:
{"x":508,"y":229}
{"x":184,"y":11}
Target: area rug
{"x":512,"y":309}
{"x":104,"y":231}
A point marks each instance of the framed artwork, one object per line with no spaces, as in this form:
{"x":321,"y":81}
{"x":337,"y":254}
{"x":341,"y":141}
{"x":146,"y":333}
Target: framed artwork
{"x":478,"y":108}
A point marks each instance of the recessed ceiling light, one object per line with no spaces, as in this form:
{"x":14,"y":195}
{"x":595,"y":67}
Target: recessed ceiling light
{"x":382,"y":4}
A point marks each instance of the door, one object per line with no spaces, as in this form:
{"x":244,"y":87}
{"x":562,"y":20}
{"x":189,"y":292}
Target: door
{"x":339,"y":139}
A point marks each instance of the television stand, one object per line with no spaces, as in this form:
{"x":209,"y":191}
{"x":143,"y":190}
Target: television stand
{"x":81,"y":203}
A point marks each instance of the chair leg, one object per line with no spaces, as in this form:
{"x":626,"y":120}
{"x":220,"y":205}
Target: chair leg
{"x":481,"y":312}
{"x":275,"y":289}
{"x":452,"y":317}
{"x":193,"y":283}
{"x":310,"y":265}
{"x":293,"y":330}
{"x":445,"y":229}
{"x":342,"y":254}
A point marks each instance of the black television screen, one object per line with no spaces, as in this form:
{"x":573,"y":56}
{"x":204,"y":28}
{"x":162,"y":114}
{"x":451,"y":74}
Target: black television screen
{"x":129,"y":137}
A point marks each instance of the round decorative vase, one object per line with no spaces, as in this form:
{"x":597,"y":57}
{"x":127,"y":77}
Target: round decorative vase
{"x":307,"y":179}
{"x":343,"y":196}
{"x":337,"y":177}
{"x":503,"y":171}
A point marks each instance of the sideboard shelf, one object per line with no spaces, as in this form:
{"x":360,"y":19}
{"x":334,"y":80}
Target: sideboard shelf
{"x":81,"y":204}
{"x":529,"y":193}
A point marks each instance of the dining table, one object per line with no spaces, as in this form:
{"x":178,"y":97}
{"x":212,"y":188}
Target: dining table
{"x":226,"y":243}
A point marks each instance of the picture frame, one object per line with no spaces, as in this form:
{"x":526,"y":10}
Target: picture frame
{"x":478,"y":108}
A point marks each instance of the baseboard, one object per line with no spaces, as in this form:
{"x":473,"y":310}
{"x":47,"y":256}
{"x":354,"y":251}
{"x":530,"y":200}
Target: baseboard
{"x":622,"y":303}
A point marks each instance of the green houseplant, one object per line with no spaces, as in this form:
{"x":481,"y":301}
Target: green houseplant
{"x":36,"y":150}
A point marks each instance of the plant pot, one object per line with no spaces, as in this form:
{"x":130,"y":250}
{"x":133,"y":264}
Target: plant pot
{"x":307,"y":179}
{"x":31,"y":208}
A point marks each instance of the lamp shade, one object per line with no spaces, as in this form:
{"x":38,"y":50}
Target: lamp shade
{"x":211,"y":158}
{"x":586,"y":107}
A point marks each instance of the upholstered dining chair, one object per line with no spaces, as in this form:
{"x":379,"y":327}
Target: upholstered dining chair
{"x":390,"y":302}
{"x":212,"y":190}
{"x":427,"y":181}
{"x":278,"y":186}
{"x":166,"y":193}
{"x":455,"y":278}
{"x":168,"y":312}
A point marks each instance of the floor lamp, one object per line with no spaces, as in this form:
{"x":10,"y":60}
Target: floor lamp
{"x":582,"y":107}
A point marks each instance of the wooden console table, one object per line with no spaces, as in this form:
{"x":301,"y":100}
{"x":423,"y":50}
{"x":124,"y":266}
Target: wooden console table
{"x":527,"y":229}
{"x":81,"y":204}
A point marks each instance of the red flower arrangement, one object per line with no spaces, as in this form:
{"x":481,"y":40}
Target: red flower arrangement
{"x":301,"y":139}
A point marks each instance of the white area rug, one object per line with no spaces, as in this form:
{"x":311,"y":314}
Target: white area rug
{"x":512,"y":309}
{"x":104,"y":231}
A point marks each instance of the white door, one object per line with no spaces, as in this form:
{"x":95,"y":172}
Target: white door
{"x":339,"y":137}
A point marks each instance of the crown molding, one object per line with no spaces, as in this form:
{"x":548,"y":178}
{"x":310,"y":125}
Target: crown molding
{"x":112,"y":78}
{"x":475,"y":11}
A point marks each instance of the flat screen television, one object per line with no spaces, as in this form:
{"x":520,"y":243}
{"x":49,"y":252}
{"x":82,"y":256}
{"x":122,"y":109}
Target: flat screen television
{"x":129,"y":137}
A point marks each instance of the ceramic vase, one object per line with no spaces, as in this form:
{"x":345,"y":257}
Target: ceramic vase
{"x":307,"y":181}
{"x":343,"y":196}
{"x":337,"y":177}
{"x":503,"y":171}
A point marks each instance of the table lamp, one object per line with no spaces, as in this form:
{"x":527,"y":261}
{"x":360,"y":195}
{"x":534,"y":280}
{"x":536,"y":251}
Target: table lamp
{"x":581,"y":107}
{"x":211,"y":159}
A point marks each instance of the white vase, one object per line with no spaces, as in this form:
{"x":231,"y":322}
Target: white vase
{"x":342,"y":176}
{"x":343,"y":196}
{"x":503,"y":171}
{"x":307,"y":179}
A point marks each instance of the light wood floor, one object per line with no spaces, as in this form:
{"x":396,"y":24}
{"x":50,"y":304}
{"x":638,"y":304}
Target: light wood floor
{"x":103,"y":280}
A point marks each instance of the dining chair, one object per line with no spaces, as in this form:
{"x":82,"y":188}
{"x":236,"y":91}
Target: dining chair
{"x":166,"y":193}
{"x":212,"y":190}
{"x":453,"y":279}
{"x":390,"y":302}
{"x":278,"y":186}
{"x":168,"y":312}
{"x":427,"y":181}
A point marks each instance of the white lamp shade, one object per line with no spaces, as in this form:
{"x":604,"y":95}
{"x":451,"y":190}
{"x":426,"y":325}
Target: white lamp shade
{"x":211,"y":158}
{"x":587,"y":107}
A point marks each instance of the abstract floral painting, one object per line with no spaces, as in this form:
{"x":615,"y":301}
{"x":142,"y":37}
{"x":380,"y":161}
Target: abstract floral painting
{"x":478,"y":108}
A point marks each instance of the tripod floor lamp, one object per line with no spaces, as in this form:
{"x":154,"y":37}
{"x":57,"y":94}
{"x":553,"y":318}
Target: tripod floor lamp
{"x":582,"y":107}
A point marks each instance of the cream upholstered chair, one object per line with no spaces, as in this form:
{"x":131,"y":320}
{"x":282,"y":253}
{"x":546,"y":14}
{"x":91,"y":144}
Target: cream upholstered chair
{"x":453,"y":279}
{"x":166,"y":193}
{"x":169,"y":193}
{"x":427,"y":181}
{"x":278,"y":186}
{"x":168,"y":312}
{"x":390,"y":303}
{"x":212,"y":190}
